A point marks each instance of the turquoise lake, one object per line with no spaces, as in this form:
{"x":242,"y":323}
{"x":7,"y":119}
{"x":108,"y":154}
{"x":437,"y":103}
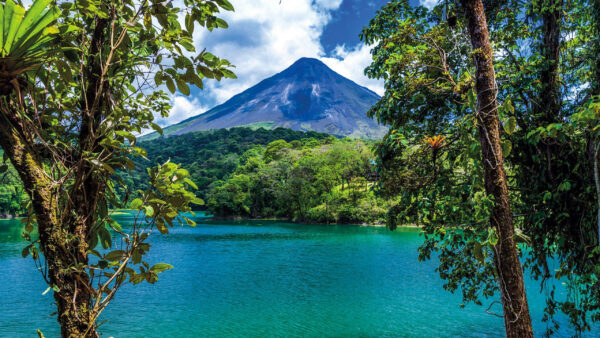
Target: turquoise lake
{"x":268,"y":279}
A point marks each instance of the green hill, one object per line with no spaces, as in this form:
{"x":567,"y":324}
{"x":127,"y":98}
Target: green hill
{"x":212,"y":155}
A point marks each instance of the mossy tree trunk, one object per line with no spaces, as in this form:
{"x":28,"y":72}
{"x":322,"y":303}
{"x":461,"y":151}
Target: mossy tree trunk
{"x":595,"y":91}
{"x":61,"y":250}
{"x":508,"y":267}
{"x":69,"y":125}
{"x":64,"y":236}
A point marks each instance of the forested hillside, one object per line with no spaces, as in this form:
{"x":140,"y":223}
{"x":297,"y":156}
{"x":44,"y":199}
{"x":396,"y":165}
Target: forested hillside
{"x":210,"y":156}
{"x":325,"y":182}
{"x":241,"y":172}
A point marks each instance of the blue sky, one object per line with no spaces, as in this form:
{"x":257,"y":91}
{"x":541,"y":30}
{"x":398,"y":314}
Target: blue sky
{"x":266,"y":36}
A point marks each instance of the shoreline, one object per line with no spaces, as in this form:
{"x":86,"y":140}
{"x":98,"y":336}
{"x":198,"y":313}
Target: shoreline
{"x":7,"y":217}
{"x":275,"y":219}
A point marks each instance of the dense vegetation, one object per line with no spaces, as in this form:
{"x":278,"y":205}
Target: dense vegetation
{"x":531,"y":87}
{"x":209,"y":156}
{"x":13,"y":198}
{"x":494,"y":109}
{"x":326,"y":181}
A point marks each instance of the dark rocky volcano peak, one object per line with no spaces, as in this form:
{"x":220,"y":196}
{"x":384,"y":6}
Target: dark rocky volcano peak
{"x":306,"y":96}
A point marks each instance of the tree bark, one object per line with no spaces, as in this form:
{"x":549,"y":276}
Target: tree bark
{"x":549,"y":105}
{"x":65,"y":234}
{"x":73,"y":298}
{"x":517,"y":320}
{"x":596,"y":160}
{"x":595,"y":91}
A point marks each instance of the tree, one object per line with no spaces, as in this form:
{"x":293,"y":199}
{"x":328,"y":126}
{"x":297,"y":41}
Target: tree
{"x":447,"y":164}
{"x":75,"y":86}
{"x":517,"y":320}
{"x":544,"y":60}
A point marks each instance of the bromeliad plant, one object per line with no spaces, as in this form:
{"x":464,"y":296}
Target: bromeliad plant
{"x":24,"y":40}
{"x":70,"y":106}
{"x":435,"y":142}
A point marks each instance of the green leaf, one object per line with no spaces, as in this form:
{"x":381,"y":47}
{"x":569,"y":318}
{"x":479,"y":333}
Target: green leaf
{"x":192,"y":184}
{"x":170,"y":85}
{"x":226,"y":5}
{"x":149,"y":210}
{"x":15,"y":15}
{"x":105,"y":237}
{"x":160,"y":267}
{"x":156,"y":128}
{"x":492,"y":237}
{"x":116,"y":226}
{"x":183,"y":87}
{"x":129,"y":136}
{"x":506,"y":147}
{"x":228,"y":74}
{"x":36,"y":20}
{"x":510,"y":125}
{"x":116,"y":255}
{"x":221,"y":23}
{"x":136,"y":204}
{"x":25,"y":251}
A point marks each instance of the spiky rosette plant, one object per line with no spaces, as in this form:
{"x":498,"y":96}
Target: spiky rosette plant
{"x":24,"y":38}
{"x":435,"y":142}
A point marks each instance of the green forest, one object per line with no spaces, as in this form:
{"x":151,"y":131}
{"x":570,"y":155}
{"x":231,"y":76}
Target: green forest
{"x":258,"y":173}
{"x":13,"y":199}
{"x":209,"y":156}
{"x":326,"y":181}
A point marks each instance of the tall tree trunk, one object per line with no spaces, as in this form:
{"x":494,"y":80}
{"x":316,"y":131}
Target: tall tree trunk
{"x":596,"y":159}
{"x":60,"y":253}
{"x":595,"y":91}
{"x":549,"y":105}
{"x":517,"y":320}
{"x":64,"y":239}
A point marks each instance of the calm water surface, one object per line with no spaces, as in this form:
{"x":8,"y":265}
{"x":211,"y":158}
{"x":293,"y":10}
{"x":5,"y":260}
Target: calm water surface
{"x":266,"y":279}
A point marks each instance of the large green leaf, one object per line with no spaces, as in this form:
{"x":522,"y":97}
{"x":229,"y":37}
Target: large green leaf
{"x":24,"y":34}
{"x":1,"y":28}
{"x":30,"y":35}
{"x":15,"y":23}
{"x":29,"y":26}
{"x":9,"y":8}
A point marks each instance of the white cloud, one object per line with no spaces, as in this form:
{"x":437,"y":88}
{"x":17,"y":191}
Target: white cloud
{"x":351,"y":64}
{"x":182,"y":109}
{"x":429,"y":3}
{"x":265,"y":37}
{"x":329,"y":4}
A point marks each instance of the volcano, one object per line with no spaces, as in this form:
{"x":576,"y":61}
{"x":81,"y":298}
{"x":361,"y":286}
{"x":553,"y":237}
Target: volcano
{"x":306,"y":96}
